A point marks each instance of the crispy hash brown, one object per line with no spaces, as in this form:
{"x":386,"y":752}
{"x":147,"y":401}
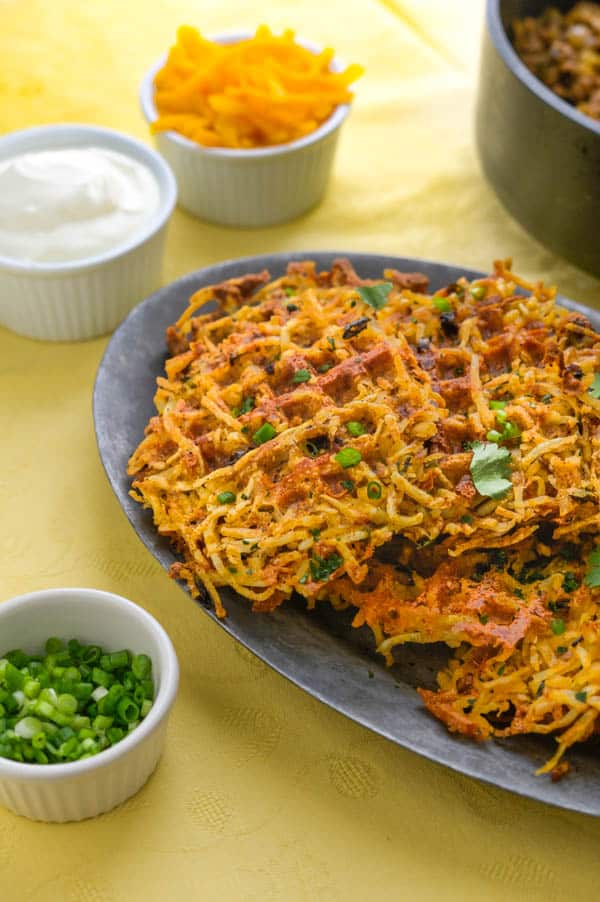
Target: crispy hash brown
{"x":425,"y":459}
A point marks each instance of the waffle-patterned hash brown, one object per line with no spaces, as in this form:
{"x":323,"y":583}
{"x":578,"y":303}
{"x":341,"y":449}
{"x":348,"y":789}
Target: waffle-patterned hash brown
{"x":317,"y":434}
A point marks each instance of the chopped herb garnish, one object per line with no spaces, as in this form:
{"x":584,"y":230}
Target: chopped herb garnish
{"x":592,"y":577}
{"x":441,"y":304}
{"x":232,"y":569}
{"x":483,"y":618}
{"x":570,"y":581}
{"x":540,"y":689}
{"x":581,"y":696}
{"x":315,"y":533}
{"x":301,"y":376}
{"x":545,"y":399}
{"x":348,"y":485}
{"x":501,"y":669}
{"x":594,"y":389}
{"x":324,"y":367}
{"x":331,"y":342}
{"x":466,"y":518}
{"x":490,"y":469}
{"x":226,"y":497}
{"x":375,"y":295}
{"x":321,"y":568}
{"x":518,"y":593}
{"x":558,"y":626}
{"x":498,"y":405}
{"x":264,"y":434}
{"x":374,"y":490}
{"x":561,"y":649}
{"x":478,"y":292}
{"x":292,"y":308}
{"x":290,"y":292}
{"x":348,"y":457}
{"x":355,"y":428}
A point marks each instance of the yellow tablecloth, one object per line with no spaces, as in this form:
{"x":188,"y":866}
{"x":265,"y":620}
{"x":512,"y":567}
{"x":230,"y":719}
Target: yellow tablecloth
{"x":263,"y":793}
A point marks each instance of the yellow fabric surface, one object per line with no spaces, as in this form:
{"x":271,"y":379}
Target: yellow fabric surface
{"x":263,"y":794}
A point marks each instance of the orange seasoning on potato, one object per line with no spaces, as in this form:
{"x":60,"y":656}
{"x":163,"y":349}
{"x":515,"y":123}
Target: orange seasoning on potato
{"x":258,"y":92}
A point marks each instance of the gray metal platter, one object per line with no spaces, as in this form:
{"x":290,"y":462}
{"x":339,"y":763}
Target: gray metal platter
{"x":318,"y":650}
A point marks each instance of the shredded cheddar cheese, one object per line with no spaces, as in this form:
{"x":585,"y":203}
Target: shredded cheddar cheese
{"x":258,"y":92}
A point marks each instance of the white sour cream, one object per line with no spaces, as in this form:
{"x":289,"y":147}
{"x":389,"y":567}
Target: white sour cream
{"x":63,"y":205}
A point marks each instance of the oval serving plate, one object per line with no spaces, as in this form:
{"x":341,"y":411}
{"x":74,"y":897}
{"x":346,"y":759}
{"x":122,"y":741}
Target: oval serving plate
{"x":318,"y":650}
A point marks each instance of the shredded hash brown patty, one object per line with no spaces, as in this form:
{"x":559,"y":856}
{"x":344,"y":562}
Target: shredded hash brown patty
{"x":429,"y":460}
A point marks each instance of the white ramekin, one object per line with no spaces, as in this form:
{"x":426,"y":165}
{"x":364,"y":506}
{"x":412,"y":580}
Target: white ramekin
{"x":81,"y":789}
{"x":89,"y":297}
{"x":248,"y":188}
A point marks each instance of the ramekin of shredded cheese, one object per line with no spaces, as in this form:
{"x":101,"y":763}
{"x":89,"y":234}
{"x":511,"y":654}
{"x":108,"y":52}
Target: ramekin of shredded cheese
{"x":251,"y":139}
{"x":83,"y":217}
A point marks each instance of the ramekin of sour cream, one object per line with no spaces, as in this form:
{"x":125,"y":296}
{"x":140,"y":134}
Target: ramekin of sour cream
{"x":83,"y":217}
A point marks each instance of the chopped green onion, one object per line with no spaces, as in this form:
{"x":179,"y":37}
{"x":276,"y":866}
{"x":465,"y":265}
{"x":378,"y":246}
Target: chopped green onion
{"x":60,"y":706}
{"x":558,"y":627}
{"x":374,"y":490}
{"x":226,"y":497}
{"x":264,"y":434}
{"x":355,"y":428}
{"x":441,"y":304}
{"x":498,"y":405}
{"x":141,"y":666}
{"x":348,"y":457}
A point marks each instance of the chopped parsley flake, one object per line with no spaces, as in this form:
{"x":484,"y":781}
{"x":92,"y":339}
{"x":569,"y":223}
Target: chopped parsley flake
{"x":321,"y":568}
{"x":501,"y":669}
{"x":301,"y":376}
{"x":348,"y":485}
{"x":545,"y":399}
{"x":348,"y":457}
{"x":483,"y":618}
{"x":331,"y":342}
{"x":581,"y":696}
{"x":561,"y":649}
{"x":570,"y":581}
{"x":490,"y":469}
{"x":264,"y":434}
{"x":592,"y":577}
{"x":375,"y":295}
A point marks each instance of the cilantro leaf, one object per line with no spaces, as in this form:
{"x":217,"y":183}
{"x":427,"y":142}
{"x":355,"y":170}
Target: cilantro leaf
{"x":592,"y":577}
{"x":594,"y":389}
{"x":490,"y":469}
{"x":375,"y":295}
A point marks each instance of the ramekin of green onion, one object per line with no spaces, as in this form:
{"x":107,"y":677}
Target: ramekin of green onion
{"x":87,"y":682}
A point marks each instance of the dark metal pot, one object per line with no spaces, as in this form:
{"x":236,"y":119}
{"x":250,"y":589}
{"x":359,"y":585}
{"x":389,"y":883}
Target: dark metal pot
{"x":541,"y":155}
